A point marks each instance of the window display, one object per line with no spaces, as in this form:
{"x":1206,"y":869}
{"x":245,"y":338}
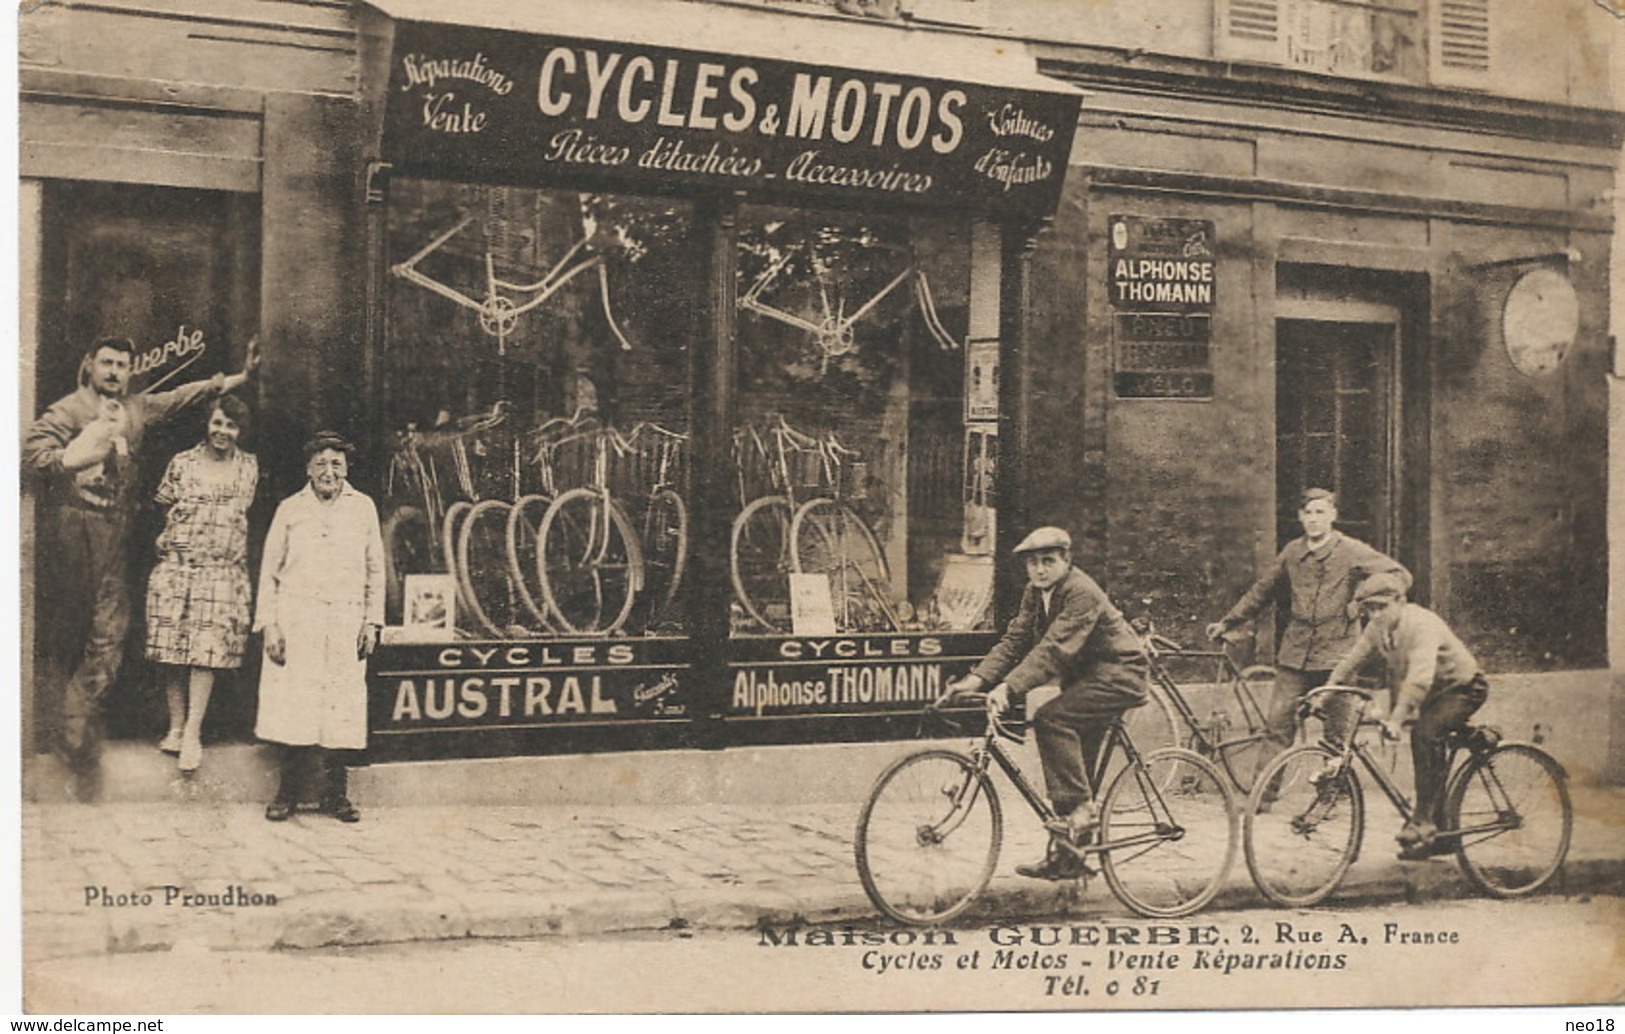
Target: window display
{"x":850,"y":424}
{"x":536,"y":362}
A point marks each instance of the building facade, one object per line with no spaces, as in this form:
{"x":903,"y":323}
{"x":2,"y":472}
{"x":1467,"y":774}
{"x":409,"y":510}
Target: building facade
{"x":706,"y":356}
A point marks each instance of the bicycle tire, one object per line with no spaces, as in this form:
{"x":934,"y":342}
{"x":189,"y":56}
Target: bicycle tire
{"x":522,"y":552}
{"x":1153,"y":726}
{"x":1522,"y":858}
{"x":828,"y":537}
{"x":450,"y":523}
{"x":665,"y":553}
{"x":485,"y":572}
{"x":1302,"y":835}
{"x":409,"y":548}
{"x":904,"y":830}
{"x":587,"y":596}
{"x":1167,"y":815}
{"x":759,"y":561}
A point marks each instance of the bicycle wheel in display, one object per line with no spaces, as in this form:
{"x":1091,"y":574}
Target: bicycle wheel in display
{"x":1244,"y":750}
{"x":1152,"y":726}
{"x":665,"y":554}
{"x":1512,"y":807}
{"x":1168,"y":827}
{"x":450,"y":527}
{"x":828,"y":538}
{"x":523,"y":521}
{"x":1303,"y":825}
{"x":928,"y":837}
{"x":484,"y":572}
{"x":589,"y":564}
{"x":759,"y":561}
{"x":409,"y":548}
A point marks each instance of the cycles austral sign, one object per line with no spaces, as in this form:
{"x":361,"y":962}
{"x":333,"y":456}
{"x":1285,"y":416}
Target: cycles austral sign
{"x":505,"y":104}
{"x":443,"y":687}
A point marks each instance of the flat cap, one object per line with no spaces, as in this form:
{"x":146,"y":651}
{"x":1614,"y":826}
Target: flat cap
{"x":323,"y":440}
{"x":1044,"y":538}
{"x":1386,"y":586}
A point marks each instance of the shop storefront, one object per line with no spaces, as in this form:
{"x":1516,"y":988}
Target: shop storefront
{"x":684,"y":353}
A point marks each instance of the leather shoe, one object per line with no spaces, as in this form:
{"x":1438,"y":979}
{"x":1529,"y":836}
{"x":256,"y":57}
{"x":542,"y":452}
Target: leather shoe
{"x":1428,"y":849}
{"x":342,"y":810}
{"x":1075,"y":828}
{"x":1056,"y":866}
{"x":278,"y":811}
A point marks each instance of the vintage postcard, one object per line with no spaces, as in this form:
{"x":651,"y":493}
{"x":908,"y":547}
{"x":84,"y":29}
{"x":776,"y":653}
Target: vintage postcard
{"x":820,"y":506}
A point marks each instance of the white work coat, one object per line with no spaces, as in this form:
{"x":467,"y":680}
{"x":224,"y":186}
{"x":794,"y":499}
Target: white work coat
{"x":321,"y":580}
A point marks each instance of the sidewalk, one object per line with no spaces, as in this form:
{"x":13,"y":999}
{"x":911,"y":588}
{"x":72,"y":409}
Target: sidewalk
{"x":448,"y":872}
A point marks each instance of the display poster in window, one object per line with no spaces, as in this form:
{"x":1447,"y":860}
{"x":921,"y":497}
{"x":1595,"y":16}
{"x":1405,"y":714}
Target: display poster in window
{"x":1162,"y":284}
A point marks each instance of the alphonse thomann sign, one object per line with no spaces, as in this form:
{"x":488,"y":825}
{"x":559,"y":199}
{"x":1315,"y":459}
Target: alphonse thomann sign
{"x":476,"y":100}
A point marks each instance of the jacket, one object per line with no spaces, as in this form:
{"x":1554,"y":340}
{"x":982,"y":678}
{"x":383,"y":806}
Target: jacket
{"x":1083,"y":631}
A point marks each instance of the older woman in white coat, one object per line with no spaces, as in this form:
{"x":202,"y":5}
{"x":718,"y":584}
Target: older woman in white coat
{"x":321,"y":605}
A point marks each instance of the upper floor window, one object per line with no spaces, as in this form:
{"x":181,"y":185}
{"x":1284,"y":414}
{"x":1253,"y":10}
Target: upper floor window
{"x":1369,"y":39}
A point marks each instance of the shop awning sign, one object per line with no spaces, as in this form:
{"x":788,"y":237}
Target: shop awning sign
{"x":482,"y":103}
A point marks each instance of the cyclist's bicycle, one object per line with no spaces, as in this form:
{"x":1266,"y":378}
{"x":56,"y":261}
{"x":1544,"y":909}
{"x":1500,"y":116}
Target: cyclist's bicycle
{"x":1232,"y":732}
{"x":1507,"y":813}
{"x":928,"y":837}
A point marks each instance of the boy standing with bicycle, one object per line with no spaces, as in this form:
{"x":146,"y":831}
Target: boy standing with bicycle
{"x":1066,"y":630}
{"x":1434,"y":677}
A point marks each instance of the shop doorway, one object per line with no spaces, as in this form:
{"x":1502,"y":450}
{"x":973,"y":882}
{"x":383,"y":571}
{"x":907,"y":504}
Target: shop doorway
{"x":156,"y":265}
{"x":1337,"y":417}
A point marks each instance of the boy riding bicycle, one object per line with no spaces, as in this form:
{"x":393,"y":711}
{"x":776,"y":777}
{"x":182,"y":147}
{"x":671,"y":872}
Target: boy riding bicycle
{"x":1433,"y":677}
{"x":1066,"y":630}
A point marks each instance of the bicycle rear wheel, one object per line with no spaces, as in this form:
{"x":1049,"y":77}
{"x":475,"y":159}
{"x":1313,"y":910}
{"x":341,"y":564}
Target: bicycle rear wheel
{"x":1168,"y":833}
{"x":759,"y":561}
{"x":589,"y":564}
{"x":665,"y":554}
{"x":483,"y":570}
{"x":1303,"y":826}
{"x":928,"y":837}
{"x":1153,"y":726}
{"x":828,"y":538}
{"x":1513,"y":807}
{"x":409,"y":548}
{"x":1244,"y":756}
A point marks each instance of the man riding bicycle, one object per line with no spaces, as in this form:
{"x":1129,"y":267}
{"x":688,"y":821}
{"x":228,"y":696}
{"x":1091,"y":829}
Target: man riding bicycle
{"x":1066,"y":630}
{"x":1434,"y":677}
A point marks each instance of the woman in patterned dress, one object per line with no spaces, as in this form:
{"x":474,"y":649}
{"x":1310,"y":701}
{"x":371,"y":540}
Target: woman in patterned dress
{"x":198,"y":599}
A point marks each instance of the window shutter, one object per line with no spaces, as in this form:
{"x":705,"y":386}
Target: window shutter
{"x":1251,"y":30}
{"x":1461,"y":42}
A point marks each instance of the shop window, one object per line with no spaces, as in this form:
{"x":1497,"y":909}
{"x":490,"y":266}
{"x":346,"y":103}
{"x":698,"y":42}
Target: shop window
{"x":536,"y":371}
{"x":851,"y":442}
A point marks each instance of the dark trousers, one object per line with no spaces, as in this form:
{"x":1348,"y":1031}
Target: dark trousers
{"x":1441,"y":712}
{"x":318,"y":767}
{"x":1072,"y":727}
{"x":86,"y":591}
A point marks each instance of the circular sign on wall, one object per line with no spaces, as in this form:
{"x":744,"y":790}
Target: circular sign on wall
{"x":1539,"y":321}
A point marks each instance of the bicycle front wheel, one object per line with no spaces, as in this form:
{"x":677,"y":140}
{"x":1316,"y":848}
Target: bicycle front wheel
{"x":451,"y":525}
{"x":1513,"y":810}
{"x":588,"y":563}
{"x":928,"y":837}
{"x":759,"y":561}
{"x":523,"y":522}
{"x":1303,"y":826}
{"x":829,"y":539}
{"x":1168,"y":833}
